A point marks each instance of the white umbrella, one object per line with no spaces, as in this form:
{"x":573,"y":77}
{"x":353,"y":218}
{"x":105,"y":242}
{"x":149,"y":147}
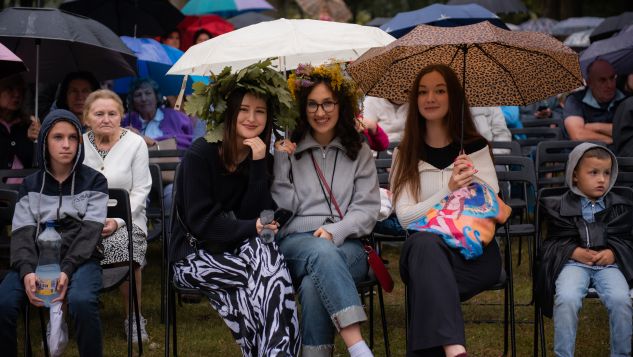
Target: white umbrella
{"x":292,"y":41}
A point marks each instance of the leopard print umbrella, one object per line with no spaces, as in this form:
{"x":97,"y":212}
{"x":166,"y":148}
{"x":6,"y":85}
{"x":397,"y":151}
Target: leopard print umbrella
{"x":501,"y":67}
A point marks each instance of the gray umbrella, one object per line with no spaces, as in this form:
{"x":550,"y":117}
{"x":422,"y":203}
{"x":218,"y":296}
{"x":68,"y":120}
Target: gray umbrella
{"x":575,"y":24}
{"x":249,"y":18}
{"x":617,"y":50}
{"x":496,"y":6}
{"x":53,"y":43}
{"x":611,"y":25}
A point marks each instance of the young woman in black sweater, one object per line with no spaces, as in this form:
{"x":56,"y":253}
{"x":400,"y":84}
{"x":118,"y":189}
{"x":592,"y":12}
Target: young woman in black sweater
{"x":221,"y":189}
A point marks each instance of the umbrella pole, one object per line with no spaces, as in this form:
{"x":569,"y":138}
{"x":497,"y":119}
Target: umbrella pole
{"x":37,"y":76}
{"x":464,"y":49}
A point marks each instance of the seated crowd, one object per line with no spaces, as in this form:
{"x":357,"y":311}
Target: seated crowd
{"x":324,"y":175}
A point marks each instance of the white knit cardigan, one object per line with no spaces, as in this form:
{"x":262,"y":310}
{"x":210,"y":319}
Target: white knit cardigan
{"x":434,"y":186}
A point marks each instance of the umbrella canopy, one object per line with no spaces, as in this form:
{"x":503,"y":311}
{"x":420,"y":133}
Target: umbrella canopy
{"x":378,"y":21}
{"x":501,"y":67}
{"x":617,"y":50}
{"x":9,"y":63}
{"x":129,"y":17}
{"x":154,"y":60}
{"x":496,"y":6}
{"x":575,"y":24}
{"x":249,"y":18}
{"x":440,"y":15}
{"x":224,"y":8}
{"x":335,"y":10}
{"x":215,"y":24}
{"x":578,"y":40}
{"x":293,"y":41}
{"x":67,"y":43}
{"x":542,"y":24}
{"x":611,"y":25}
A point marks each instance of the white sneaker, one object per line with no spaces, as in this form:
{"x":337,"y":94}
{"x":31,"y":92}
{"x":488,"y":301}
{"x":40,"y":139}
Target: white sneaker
{"x":144,"y":335}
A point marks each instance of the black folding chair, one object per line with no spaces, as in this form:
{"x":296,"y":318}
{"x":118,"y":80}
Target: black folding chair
{"x":551,"y":158}
{"x":119,"y":207}
{"x":8,"y":200}
{"x":517,"y":182}
{"x":539,"y":331}
{"x":533,"y":136}
{"x":543,"y":123}
{"x":625,"y":171}
{"x":7,"y":174}
{"x":513,"y":146}
{"x":156,"y":215}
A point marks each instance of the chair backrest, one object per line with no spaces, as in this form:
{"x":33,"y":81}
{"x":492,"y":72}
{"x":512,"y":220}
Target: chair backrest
{"x":19,"y":173}
{"x":513,"y":146}
{"x":516,"y":175}
{"x":551,"y":158}
{"x":119,"y":206}
{"x":387,"y":154}
{"x":533,"y":136}
{"x":167,"y":160}
{"x":543,"y":123}
{"x":156,"y":192}
{"x":625,"y":171}
{"x":382,"y":167}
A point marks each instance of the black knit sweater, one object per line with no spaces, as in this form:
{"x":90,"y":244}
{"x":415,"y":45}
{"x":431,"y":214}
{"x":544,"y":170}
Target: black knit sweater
{"x":218,"y":206}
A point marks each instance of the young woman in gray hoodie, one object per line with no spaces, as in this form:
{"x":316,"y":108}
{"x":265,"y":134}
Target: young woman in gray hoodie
{"x":320,"y":243}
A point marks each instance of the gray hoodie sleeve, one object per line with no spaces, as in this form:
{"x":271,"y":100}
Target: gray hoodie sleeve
{"x":282,"y":189}
{"x":362,"y":211}
{"x":23,"y":249}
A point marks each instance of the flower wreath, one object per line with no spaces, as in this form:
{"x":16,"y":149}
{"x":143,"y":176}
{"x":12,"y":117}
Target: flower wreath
{"x":208,"y":102}
{"x":342,"y":84}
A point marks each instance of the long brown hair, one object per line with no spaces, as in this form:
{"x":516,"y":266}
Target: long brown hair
{"x":411,"y":149}
{"x":228,"y":150}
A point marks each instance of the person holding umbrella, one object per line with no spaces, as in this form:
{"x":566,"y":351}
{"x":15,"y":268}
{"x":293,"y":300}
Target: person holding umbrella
{"x":17,"y":129}
{"x":428,"y":165}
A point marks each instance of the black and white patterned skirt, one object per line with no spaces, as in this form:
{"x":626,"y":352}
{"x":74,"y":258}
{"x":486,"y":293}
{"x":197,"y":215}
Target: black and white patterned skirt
{"x":115,"y":246}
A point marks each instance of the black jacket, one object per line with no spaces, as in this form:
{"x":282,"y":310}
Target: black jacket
{"x":561,"y":214}
{"x":15,"y":143}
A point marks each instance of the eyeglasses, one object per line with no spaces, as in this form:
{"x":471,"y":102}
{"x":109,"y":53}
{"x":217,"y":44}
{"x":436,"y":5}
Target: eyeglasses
{"x":328,"y":107}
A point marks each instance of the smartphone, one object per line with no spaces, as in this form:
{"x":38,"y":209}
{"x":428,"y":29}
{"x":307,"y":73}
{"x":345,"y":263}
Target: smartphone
{"x":282,"y":216}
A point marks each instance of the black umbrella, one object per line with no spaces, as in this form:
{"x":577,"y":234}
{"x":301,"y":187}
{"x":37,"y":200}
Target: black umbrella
{"x":249,"y":18}
{"x":496,"y":6}
{"x":52,"y":43}
{"x":611,"y":25}
{"x":134,"y":18}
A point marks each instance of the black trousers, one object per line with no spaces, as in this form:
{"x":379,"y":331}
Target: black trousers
{"x":438,"y":279}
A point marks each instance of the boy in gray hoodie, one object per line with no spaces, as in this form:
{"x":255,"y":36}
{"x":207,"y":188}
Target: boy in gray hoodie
{"x":75,"y":197}
{"x":589,"y":242}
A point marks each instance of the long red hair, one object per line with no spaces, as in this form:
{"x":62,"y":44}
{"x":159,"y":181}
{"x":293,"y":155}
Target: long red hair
{"x":405,"y":174}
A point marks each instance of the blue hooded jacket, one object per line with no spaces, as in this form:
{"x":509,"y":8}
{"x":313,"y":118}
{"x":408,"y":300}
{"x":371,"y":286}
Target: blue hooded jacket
{"x":79,"y":205}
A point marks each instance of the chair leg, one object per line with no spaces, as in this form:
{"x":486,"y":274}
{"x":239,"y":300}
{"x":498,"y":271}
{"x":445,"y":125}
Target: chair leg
{"x":506,"y":296}
{"x":175,"y":323}
{"x":28,"y":352}
{"x":371,"y":318}
{"x":510,"y":283}
{"x":383,"y":318}
{"x":43,"y":327}
{"x":406,"y":317}
{"x":137,"y":313}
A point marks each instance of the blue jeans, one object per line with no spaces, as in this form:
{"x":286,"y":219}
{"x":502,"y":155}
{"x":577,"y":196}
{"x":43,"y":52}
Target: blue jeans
{"x":325,"y":275}
{"x":82,"y":297}
{"x":571,"y":288}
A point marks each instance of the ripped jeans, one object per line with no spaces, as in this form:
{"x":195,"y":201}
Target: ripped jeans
{"x":325,"y":277}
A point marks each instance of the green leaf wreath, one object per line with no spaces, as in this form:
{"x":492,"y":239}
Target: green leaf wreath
{"x":208,"y":102}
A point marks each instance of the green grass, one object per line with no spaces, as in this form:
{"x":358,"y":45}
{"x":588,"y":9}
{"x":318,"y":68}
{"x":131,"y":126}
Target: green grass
{"x":202,"y":332}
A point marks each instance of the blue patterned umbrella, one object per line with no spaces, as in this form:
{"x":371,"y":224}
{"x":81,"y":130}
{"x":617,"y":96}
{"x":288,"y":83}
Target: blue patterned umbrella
{"x":154,"y":60}
{"x":224,"y":8}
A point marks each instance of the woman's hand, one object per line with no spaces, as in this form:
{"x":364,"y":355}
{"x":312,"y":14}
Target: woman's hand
{"x":286,"y":146}
{"x":322,"y":233}
{"x":463,"y":172}
{"x":34,"y":129}
{"x":363,"y":123}
{"x":109,"y":227}
{"x":258,"y":147}
{"x":259,"y":227}
{"x":149,"y":141}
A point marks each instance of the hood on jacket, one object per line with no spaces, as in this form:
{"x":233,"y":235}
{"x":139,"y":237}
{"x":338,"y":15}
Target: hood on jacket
{"x":574,"y":159}
{"x":53,"y":117}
